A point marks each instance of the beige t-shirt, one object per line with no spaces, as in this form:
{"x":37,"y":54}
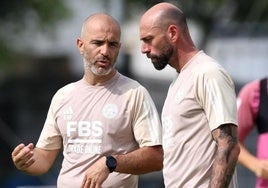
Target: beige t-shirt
{"x":200,"y":99}
{"x":88,"y":122}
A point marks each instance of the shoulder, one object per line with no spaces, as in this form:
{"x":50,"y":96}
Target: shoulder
{"x":207,"y":68}
{"x":128,"y":84}
{"x":65,"y":91}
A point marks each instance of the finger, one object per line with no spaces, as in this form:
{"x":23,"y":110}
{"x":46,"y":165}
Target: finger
{"x":23,"y":156}
{"x":28,"y":156}
{"x":30,"y":146}
{"x":21,"y":150}
{"x":25,"y":153}
{"x":92,"y":184}
{"x":84,"y":182}
{"x":24,"y":161}
{"x":88,"y":183}
{"x":27,"y":163}
{"x":17,"y":149}
{"x":97,"y":185}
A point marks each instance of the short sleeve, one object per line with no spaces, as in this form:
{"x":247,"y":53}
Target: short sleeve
{"x":50,"y":137}
{"x":216,"y":95}
{"x":146,"y":123}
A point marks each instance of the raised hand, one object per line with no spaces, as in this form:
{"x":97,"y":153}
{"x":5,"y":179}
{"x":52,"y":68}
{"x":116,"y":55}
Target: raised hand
{"x":22,"y":156}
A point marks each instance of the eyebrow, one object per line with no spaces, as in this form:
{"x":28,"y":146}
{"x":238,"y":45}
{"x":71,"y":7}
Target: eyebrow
{"x":150,"y":35}
{"x":146,"y":37}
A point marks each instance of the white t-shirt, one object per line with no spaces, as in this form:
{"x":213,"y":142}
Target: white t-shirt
{"x":200,"y":99}
{"x":89,"y":122}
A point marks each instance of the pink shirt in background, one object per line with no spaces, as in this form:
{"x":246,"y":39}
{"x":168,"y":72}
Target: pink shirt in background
{"x":248,"y":107}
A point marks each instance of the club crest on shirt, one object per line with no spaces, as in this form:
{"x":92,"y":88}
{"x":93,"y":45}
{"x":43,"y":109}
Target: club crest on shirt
{"x":110,"y":111}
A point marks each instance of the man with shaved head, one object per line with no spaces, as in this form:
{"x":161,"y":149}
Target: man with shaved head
{"x":199,"y":114}
{"x":106,"y":124}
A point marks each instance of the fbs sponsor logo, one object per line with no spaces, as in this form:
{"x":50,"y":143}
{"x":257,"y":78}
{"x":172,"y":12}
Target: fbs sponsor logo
{"x":84,"y":137}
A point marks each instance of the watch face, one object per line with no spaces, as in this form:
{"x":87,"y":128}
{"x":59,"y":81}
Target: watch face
{"x":111,"y":163}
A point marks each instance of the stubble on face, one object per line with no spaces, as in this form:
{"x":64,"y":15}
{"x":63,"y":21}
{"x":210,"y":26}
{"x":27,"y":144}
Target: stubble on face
{"x":95,"y":69}
{"x":101,"y":36}
{"x":162,"y":60}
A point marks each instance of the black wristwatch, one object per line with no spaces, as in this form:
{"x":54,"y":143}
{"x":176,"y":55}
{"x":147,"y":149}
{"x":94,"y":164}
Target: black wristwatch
{"x":111,"y":163}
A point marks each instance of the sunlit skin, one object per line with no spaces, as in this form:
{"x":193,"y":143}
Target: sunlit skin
{"x":99,"y":45}
{"x":160,"y":58}
{"x":163,"y":41}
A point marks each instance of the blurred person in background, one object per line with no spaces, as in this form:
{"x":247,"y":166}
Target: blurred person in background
{"x":199,"y":114}
{"x":252,"y":104}
{"x":106,"y":124}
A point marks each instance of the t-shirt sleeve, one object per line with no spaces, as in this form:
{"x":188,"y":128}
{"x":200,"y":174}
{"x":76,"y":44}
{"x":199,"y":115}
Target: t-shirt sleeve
{"x":247,"y":108}
{"x":50,"y":137}
{"x":215,"y":93}
{"x":146,"y":123}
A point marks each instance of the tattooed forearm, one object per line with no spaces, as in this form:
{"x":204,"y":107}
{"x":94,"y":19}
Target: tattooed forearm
{"x":226,"y":134}
{"x":226,"y":155}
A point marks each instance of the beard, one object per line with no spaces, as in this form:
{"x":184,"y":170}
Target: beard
{"x":162,"y":60}
{"x":98,"y":71}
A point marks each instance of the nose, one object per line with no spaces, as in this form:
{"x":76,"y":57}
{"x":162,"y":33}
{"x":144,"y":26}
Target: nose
{"x":145,"y":48}
{"x":104,"y":50}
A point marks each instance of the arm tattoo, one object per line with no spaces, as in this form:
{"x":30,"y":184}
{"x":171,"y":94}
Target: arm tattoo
{"x":226,"y":155}
{"x":227,"y":134}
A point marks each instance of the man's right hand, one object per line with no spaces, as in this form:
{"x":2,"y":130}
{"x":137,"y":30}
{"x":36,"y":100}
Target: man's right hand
{"x":22,"y":156}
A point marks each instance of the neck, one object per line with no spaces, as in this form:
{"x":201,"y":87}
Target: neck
{"x":93,"y":79}
{"x":184,"y":57}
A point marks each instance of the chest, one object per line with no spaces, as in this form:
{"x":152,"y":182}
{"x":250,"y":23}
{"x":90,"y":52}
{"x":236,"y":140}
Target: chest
{"x":94,"y":114}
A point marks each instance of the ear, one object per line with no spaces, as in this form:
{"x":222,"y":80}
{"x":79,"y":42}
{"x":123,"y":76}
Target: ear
{"x":173,"y":33}
{"x":80,"y":45}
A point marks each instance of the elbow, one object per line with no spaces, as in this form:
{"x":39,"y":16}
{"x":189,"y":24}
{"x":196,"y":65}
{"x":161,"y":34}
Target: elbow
{"x":155,"y":158}
{"x":159,"y":165}
{"x":152,"y":160}
{"x":237,"y":150}
{"x":159,"y":159}
{"x":234,"y":152}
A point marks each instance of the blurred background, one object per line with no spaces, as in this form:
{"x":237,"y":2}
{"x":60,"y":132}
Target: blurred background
{"x":38,"y":55}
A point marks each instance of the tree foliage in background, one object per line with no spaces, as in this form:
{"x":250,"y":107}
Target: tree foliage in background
{"x":18,"y":11}
{"x":202,"y":10}
{"x":212,"y":15}
{"x":17,"y":16}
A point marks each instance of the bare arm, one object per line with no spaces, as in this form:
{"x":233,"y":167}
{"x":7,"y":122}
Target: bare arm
{"x":257,"y":166}
{"x":140,"y":161}
{"x":226,"y":155}
{"x":33,"y":161}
